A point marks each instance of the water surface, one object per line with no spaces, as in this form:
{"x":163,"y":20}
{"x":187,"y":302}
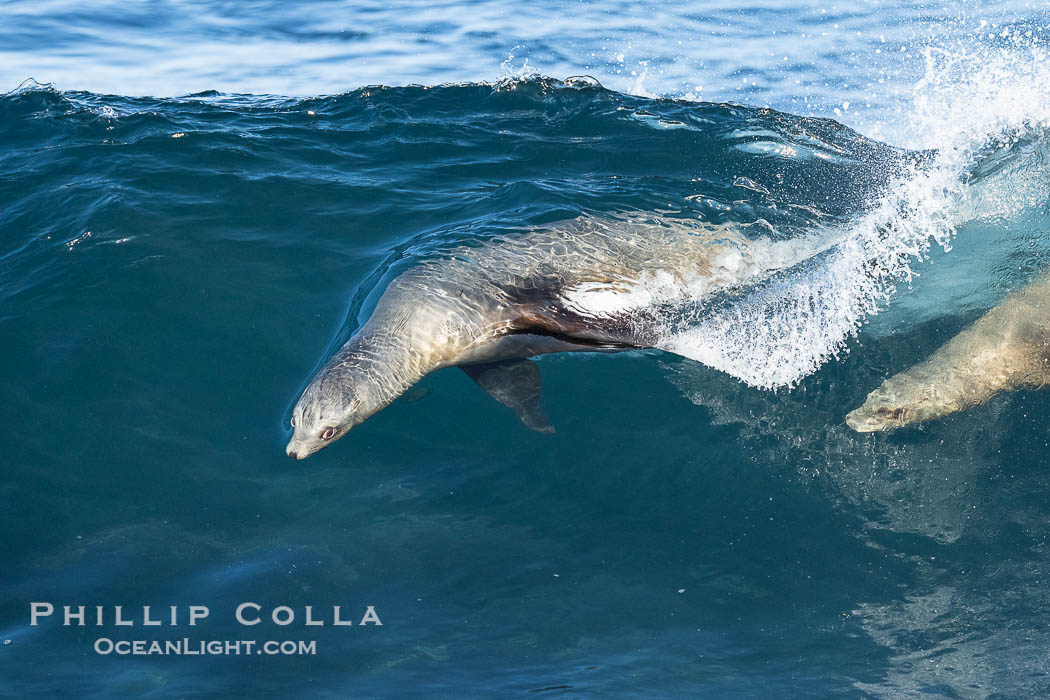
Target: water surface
{"x":173,"y":269}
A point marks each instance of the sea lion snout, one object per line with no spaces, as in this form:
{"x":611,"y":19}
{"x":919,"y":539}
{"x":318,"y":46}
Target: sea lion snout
{"x":871,"y":418}
{"x":301,"y":446}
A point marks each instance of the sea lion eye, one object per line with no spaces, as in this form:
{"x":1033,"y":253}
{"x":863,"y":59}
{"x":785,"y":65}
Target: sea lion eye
{"x":293,"y":421}
{"x":328,"y":433}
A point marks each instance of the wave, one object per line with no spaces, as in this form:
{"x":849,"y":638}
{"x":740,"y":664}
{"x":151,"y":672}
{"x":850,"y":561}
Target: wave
{"x":413,"y":172}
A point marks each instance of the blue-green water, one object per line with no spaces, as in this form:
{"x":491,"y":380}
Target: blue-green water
{"x":173,"y":271}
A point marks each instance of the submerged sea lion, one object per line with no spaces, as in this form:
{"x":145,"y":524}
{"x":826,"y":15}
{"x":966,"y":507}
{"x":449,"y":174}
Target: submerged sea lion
{"x":1006,"y":349}
{"x":586,"y":285}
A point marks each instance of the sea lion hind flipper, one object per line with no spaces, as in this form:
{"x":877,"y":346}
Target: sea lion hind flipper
{"x":515,"y":384}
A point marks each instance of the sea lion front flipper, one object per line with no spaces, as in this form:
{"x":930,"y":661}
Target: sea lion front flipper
{"x":515,"y":384}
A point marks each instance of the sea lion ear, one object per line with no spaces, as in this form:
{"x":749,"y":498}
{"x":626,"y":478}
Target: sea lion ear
{"x":515,"y":384}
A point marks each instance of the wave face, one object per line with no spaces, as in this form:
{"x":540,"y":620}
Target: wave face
{"x":418,"y":170}
{"x":171,"y":271}
{"x":838,"y":220}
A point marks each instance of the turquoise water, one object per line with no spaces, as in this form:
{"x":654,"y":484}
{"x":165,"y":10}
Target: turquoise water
{"x":173,"y":270}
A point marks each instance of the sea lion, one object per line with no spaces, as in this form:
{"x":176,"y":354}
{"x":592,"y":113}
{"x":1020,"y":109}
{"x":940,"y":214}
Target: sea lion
{"x":588,"y":285}
{"x":1006,"y":349}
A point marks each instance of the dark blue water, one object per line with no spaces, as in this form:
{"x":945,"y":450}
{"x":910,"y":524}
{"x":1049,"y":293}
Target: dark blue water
{"x":173,"y":270}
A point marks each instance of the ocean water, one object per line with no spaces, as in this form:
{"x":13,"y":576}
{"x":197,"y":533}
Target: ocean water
{"x":200,"y":202}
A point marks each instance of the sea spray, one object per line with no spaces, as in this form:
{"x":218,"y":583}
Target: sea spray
{"x":969,"y":107}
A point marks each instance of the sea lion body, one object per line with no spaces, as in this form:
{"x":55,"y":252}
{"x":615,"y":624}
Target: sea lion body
{"x":1005,"y":350}
{"x":586,"y":285}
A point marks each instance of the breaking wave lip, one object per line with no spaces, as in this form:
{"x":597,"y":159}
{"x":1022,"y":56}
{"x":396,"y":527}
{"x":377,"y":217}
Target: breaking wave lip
{"x":977,"y":111}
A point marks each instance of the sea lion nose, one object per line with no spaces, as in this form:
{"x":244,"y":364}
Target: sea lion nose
{"x":292,"y":452}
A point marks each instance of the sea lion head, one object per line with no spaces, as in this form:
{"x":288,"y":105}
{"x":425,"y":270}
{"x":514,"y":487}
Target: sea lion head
{"x":873,"y":417}
{"x":409,"y":335}
{"x":901,"y":400}
{"x":337,"y":399}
